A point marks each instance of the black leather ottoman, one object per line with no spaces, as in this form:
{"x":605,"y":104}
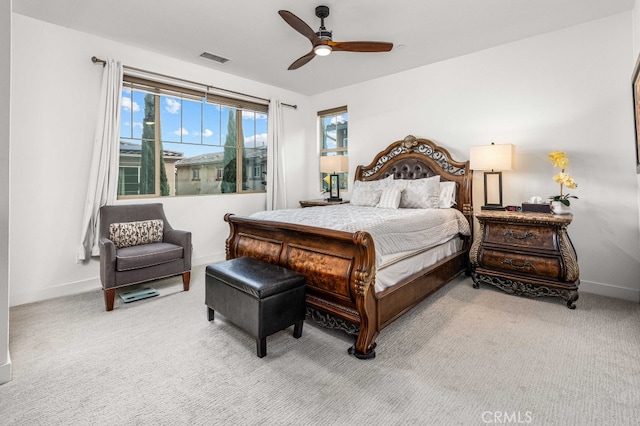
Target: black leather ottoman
{"x":259,"y":297}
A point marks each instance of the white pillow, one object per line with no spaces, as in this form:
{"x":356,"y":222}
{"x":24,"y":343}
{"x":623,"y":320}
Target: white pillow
{"x":373,"y":184}
{"x":389,"y":198}
{"x":367,"y":193}
{"x":362,"y":196}
{"x":447,"y":195}
{"x":421,"y":193}
{"x":401,"y":184}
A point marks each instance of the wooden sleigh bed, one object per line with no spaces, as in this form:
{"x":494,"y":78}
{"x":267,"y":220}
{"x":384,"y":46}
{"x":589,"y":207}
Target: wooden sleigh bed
{"x":340,"y":266}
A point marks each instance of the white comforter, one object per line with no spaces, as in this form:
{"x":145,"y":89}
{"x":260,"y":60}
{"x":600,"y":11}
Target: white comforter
{"x":393,"y":231}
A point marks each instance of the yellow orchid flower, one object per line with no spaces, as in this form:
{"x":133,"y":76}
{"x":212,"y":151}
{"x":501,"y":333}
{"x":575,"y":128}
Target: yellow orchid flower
{"x":561,"y":160}
{"x":560,"y":177}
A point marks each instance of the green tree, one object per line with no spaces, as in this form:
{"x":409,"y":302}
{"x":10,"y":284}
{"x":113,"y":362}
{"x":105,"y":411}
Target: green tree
{"x":148,"y":151}
{"x":230,"y":155}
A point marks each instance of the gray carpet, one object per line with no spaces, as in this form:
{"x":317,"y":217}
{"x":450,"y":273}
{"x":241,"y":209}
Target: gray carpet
{"x":463,"y":357}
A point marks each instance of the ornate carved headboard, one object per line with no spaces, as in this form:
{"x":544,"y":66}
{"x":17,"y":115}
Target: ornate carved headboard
{"x":414,"y":158}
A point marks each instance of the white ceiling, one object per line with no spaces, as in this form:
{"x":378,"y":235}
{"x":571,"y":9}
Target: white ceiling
{"x":260,"y":45}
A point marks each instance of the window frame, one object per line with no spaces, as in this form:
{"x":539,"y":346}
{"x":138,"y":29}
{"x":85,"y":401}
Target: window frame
{"x":135,"y":83}
{"x":344,"y":150}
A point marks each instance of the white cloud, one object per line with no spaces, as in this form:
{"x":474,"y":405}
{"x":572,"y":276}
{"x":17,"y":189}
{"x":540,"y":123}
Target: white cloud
{"x":207,"y":133}
{"x":338,"y":119}
{"x":181,"y":131}
{"x":127,"y":106}
{"x":261,"y":140}
{"x":172,"y":105}
{"x":250,"y":114}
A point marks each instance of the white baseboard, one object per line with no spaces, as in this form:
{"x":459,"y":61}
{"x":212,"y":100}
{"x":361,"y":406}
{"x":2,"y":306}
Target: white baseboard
{"x":5,"y":371}
{"x":68,"y":289}
{"x":211,"y":258}
{"x":609,"y":290}
{"x":91,"y":284}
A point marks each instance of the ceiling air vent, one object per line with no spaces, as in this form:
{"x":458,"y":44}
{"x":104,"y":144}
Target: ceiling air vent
{"x":213,"y":57}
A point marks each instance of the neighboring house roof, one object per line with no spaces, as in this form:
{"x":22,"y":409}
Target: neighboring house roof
{"x":208,"y":158}
{"x":135,"y":148}
{"x":216,"y":158}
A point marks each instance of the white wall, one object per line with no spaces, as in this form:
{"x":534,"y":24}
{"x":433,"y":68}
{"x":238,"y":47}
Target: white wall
{"x":636,"y":29}
{"x":5,"y":142}
{"x":636,"y":56}
{"x":567,"y":90}
{"x":55,"y":91}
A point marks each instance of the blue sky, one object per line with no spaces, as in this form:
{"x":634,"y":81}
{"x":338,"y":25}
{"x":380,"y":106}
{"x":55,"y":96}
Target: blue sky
{"x":195,"y":129}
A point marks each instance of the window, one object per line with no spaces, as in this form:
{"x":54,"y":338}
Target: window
{"x":334,"y":140}
{"x":129,"y":180}
{"x":210,"y":144}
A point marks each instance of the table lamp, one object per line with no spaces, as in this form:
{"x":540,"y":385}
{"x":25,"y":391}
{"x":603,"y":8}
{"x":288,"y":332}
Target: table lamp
{"x":492,"y":159}
{"x":332,"y":165}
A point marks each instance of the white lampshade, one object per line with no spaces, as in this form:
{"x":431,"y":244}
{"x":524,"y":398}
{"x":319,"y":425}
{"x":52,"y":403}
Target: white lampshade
{"x":491,"y":157}
{"x":334,"y":163}
{"x":322,"y":49}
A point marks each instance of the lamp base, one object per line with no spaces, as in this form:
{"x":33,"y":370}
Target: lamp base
{"x":334,"y":200}
{"x":492,"y":207}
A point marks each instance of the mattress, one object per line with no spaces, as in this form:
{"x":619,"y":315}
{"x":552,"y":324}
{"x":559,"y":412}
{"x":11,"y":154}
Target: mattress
{"x":400,"y":266}
{"x":396,"y":233}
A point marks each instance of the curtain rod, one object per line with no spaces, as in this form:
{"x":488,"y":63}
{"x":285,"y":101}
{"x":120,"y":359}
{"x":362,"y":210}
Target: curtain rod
{"x":96,"y":60}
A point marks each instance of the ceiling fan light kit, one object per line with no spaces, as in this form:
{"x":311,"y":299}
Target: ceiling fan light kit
{"x":321,"y":41}
{"x":322,"y":50}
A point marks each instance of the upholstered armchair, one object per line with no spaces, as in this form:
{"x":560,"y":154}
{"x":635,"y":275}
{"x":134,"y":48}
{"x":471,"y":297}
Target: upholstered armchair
{"x":138,"y":244}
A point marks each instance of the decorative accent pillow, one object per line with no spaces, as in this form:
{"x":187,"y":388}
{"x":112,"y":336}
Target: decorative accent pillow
{"x":421,"y":193}
{"x":127,"y":234}
{"x":447,"y":195}
{"x":389,"y":198}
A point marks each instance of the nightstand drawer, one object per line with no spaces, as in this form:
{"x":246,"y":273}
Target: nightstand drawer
{"x":522,"y":263}
{"x":521,"y":235}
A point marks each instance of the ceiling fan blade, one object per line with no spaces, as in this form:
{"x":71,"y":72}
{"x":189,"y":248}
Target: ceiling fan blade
{"x":302,"y":60}
{"x":360,"y":46}
{"x":300,"y":26}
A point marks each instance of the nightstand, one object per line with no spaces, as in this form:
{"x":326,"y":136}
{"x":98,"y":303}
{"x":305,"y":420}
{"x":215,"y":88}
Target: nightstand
{"x":320,"y":202}
{"x":527,"y":254}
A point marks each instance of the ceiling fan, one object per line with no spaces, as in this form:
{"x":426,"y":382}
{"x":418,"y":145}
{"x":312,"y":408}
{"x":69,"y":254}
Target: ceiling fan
{"x":322,"y":42}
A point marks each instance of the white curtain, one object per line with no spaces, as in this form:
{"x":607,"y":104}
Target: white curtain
{"x":276,"y":193}
{"x":103,"y":177}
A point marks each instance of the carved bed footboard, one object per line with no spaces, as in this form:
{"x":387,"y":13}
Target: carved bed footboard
{"x":339,"y":267}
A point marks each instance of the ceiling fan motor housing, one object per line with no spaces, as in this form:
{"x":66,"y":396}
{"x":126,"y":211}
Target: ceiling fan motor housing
{"x":324,"y":34}
{"x":322,"y":11}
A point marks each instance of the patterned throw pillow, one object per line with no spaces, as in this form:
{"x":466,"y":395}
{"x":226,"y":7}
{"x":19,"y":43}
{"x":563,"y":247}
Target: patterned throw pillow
{"x":127,"y":234}
{"x":390,"y":198}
